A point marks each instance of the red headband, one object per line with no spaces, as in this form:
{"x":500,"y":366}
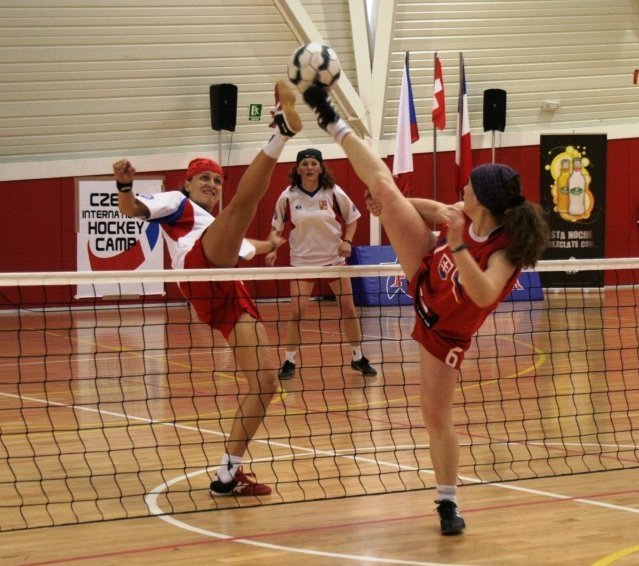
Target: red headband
{"x":200,"y":164}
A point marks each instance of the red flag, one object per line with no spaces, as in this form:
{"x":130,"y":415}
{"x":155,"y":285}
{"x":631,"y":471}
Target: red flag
{"x":463,"y":151}
{"x":407,"y":133}
{"x":439,"y":101}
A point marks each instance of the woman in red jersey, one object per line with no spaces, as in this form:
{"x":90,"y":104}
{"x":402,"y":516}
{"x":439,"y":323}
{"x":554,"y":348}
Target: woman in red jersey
{"x":457,"y":278}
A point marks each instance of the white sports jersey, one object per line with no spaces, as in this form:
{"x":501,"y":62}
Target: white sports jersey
{"x":183,"y":222}
{"x":316,"y":232}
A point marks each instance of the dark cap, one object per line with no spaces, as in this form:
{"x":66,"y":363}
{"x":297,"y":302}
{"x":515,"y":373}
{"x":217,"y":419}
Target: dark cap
{"x":310,"y":152}
{"x":488,"y":183}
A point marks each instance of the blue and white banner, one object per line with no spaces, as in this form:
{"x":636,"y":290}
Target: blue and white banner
{"x":391,"y":290}
{"x":527,"y":288}
{"x":109,"y":241}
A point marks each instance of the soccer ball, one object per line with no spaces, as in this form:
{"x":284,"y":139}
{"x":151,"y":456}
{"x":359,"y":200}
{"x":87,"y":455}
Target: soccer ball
{"x":313,"y":64}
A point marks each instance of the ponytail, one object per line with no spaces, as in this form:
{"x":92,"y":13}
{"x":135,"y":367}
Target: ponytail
{"x":528,"y":232}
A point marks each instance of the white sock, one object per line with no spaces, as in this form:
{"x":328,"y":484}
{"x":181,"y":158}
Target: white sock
{"x":357,"y":353}
{"x":275,"y":145}
{"x":228,"y":467}
{"x":290,"y":356}
{"x":447,"y":492}
{"x":338,"y":130}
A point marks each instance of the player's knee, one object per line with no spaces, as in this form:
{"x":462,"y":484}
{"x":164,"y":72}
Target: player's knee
{"x":383,"y":187}
{"x":436,"y":420}
{"x":268,"y":383}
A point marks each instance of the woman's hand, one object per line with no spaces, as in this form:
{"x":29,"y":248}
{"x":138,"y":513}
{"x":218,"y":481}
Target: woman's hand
{"x":269,"y":258}
{"x":452,"y":216}
{"x":345,"y":249}
{"x":276,"y":241}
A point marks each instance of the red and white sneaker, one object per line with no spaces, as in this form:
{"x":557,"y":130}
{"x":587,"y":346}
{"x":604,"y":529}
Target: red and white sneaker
{"x":285,"y":117}
{"x":241,"y":484}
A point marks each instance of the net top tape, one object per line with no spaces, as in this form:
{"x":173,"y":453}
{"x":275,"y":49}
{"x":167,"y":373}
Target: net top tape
{"x":269,"y":273}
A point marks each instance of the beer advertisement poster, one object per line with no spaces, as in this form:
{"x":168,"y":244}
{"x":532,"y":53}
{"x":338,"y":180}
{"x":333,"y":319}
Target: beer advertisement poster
{"x":573,"y":195}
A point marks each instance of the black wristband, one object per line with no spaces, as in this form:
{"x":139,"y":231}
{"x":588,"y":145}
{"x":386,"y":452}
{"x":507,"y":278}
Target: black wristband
{"x":348,"y":242}
{"x":459,"y":248}
{"x":124,"y":187}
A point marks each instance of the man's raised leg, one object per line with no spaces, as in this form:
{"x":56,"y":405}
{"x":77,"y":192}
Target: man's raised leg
{"x":222,"y":240}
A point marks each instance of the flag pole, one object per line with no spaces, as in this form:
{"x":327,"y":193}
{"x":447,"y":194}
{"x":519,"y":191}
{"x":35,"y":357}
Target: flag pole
{"x":434,"y":144}
{"x":459,"y":118}
{"x":462,"y":79}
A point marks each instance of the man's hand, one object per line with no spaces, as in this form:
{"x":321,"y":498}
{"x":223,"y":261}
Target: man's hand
{"x":124,"y":172}
{"x":373,"y":205}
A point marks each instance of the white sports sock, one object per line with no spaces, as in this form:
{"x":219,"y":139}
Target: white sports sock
{"x":290,"y":356}
{"x":275,"y":145}
{"x":228,"y":467}
{"x":338,"y":130}
{"x":357,"y":353}
{"x":447,"y":492}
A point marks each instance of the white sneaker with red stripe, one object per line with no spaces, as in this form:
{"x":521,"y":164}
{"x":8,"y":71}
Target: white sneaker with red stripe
{"x":285,"y":117}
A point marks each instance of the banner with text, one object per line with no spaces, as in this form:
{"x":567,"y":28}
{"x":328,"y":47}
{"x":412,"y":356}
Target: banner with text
{"x":109,"y":241}
{"x":573,"y":193}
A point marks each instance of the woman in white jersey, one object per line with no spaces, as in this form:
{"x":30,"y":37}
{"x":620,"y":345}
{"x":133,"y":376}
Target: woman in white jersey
{"x":312,"y":204}
{"x":195,"y":239}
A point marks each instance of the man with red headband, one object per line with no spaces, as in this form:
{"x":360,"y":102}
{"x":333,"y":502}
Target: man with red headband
{"x":197,"y":240}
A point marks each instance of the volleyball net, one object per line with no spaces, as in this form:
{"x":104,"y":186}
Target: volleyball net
{"x":116,"y":402}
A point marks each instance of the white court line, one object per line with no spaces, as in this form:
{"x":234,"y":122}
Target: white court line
{"x":151,"y":498}
{"x":154,"y":508}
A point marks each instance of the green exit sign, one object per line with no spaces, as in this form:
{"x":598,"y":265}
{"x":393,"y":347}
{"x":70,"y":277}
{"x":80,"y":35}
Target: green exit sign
{"x":255,"y":112}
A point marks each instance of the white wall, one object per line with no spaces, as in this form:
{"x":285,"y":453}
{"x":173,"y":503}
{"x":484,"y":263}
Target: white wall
{"x":81,"y":85}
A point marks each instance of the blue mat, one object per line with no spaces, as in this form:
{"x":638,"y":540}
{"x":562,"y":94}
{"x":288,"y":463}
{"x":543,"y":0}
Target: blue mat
{"x":392,"y":290}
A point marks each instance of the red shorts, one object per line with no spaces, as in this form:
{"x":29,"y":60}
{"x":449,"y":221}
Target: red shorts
{"x":216,"y":303}
{"x":327,"y":279}
{"x":448,"y":349}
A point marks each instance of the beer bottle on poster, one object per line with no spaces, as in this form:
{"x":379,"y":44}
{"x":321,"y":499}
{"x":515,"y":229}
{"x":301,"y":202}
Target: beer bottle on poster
{"x":577,"y":189}
{"x":563,"y":195}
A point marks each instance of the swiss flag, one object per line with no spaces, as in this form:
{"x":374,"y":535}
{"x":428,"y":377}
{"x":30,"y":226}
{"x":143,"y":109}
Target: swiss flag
{"x":439,"y":102}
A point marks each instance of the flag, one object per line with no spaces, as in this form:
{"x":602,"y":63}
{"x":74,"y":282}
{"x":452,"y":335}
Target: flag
{"x":463,"y":153}
{"x":439,"y":102}
{"x":407,"y":133}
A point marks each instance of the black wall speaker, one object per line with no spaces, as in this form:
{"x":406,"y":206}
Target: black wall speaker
{"x":494,"y":109}
{"x":223,"y":106}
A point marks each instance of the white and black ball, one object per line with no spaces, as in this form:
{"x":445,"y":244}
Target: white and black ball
{"x":314,"y":64}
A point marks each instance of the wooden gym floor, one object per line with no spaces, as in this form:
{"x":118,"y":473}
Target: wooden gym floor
{"x":579,"y":519}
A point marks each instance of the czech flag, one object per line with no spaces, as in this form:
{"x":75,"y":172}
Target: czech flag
{"x":407,"y":133}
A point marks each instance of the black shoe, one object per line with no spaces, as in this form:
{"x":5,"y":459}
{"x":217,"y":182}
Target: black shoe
{"x":318,"y":99}
{"x":452,"y":523}
{"x":288,"y":370}
{"x":364,"y":366}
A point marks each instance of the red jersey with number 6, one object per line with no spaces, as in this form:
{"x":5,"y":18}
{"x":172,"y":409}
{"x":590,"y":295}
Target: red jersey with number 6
{"x":442,"y":306}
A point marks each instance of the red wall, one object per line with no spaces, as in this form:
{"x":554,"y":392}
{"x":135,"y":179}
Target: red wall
{"x":38,"y":216}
